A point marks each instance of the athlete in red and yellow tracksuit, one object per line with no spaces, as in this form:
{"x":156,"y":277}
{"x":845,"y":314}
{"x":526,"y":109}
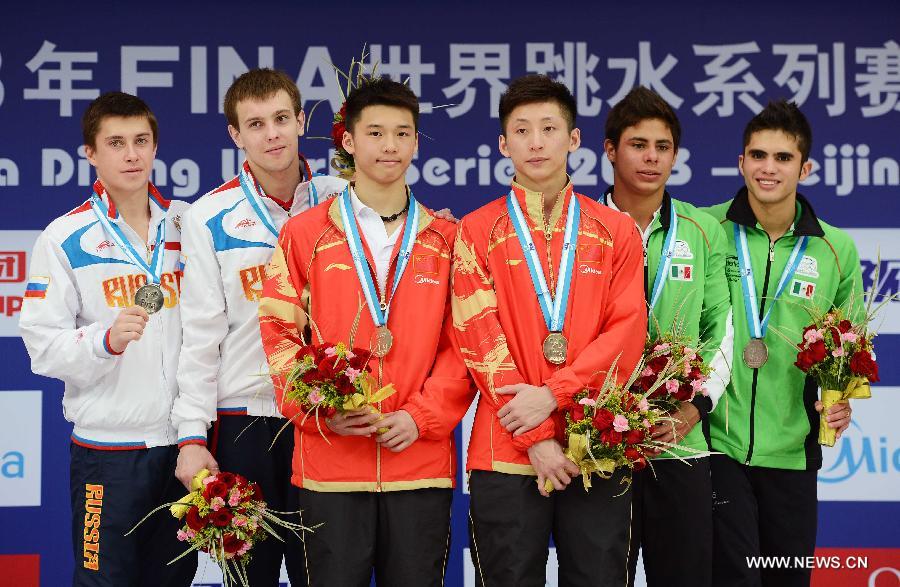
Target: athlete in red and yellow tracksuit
{"x":341,"y":477}
{"x":500,"y":330}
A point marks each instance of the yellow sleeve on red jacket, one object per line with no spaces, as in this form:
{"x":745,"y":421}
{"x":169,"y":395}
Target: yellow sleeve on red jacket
{"x":480,"y":335}
{"x":624,"y":324}
{"x":282,"y":318}
{"x":447,"y":392}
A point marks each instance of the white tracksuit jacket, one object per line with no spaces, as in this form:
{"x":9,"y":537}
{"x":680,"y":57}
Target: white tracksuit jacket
{"x":226,"y":249}
{"x":79,"y":282}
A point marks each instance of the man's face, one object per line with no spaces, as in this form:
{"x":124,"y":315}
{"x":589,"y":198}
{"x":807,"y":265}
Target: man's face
{"x":382,"y":143}
{"x":269,"y":132}
{"x":771,"y":166}
{"x":644,"y":157}
{"x":538,"y":141}
{"x":123,"y":153}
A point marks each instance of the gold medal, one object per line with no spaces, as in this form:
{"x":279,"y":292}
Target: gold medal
{"x":756,"y":353}
{"x":150,"y":297}
{"x":555,"y":348}
{"x":382,"y":341}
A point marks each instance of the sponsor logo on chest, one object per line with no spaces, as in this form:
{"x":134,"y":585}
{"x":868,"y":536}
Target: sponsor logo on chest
{"x":808,"y":267}
{"x":682,"y":250}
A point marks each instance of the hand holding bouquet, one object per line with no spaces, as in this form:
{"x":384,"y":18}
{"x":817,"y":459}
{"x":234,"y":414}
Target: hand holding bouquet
{"x":333,"y":378}
{"x":839,"y":355}
{"x":610,"y":426}
{"x":225,"y":516}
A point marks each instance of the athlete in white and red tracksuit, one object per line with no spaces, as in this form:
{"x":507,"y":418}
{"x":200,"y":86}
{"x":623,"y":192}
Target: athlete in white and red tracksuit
{"x":80,"y":324}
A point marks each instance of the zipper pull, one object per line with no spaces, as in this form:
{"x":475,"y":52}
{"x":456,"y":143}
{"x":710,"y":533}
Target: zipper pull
{"x":771,"y":251}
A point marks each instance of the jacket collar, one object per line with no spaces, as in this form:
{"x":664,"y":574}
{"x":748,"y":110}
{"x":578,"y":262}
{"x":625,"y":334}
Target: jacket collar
{"x":806,"y":224}
{"x":533,"y":203}
{"x":158,"y":203}
{"x":665,"y":211}
{"x":334,"y":213}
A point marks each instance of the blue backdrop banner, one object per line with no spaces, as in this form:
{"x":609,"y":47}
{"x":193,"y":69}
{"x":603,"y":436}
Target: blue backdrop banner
{"x":716,"y":65}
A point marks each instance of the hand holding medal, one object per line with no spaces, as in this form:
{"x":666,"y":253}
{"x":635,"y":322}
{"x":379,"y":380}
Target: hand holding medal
{"x":128,"y":327}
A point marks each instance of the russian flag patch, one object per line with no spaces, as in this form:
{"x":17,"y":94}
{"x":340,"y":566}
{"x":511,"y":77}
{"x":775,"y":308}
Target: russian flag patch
{"x":37,"y":287}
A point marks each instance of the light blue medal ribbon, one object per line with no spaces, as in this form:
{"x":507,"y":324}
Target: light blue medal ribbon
{"x":379,"y":313}
{"x":553,"y":308}
{"x":665,"y":260}
{"x":759,"y":327}
{"x":154,"y":268}
{"x":254,"y":194}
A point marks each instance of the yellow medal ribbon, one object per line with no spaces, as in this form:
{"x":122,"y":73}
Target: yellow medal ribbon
{"x":181,"y":507}
{"x":577,"y":452}
{"x":857,"y":388}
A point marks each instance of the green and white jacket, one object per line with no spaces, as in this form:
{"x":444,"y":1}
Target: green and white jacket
{"x":769,"y":418}
{"x":695,"y":297}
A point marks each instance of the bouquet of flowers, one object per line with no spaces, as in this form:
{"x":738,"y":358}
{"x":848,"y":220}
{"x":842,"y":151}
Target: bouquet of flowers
{"x":333,"y":378}
{"x":608,"y":430}
{"x":225,"y":516}
{"x":839,"y":355}
{"x":682,"y":384}
{"x":610,"y":426}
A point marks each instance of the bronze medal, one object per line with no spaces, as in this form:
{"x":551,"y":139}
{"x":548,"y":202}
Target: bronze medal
{"x":555,"y":348}
{"x":756,"y":353}
{"x":382,"y":341}
{"x":150,"y":297}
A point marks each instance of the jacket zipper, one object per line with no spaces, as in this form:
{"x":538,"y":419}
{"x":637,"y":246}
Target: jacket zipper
{"x":378,"y":445}
{"x":762,"y":308}
{"x":383,"y":299}
{"x":548,"y":236}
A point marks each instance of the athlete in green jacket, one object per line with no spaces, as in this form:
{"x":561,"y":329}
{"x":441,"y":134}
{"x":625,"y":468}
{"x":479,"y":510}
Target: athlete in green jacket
{"x":675,"y":497}
{"x":764,"y":483}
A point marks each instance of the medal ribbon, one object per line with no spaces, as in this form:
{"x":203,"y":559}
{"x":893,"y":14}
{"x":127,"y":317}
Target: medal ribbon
{"x":363,"y":273}
{"x":154,"y":268}
{"x":255,"y":194}
{"x":751,"y":307}
{"x":554,"y":309}
{"x":665,"y":260}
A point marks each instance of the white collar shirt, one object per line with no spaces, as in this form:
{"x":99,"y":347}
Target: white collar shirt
{"x":381,"y":244}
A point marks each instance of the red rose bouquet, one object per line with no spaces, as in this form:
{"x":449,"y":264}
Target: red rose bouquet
{"x":607,"y":430}
{"x":333,"y":378}
{"x":840,"y":356}
{"x":610,"y":426}
{"x":682,"y":383}
{"x":225,"y":516}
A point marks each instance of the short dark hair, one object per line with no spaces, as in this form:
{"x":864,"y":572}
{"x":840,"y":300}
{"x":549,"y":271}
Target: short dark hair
{"x":786,"y":117}
{"x":535,"y":88}
{"x":115,"y":104}
{"x":638,"y":105}
{"x":379,"y":91}
{"x":259,"y":84}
